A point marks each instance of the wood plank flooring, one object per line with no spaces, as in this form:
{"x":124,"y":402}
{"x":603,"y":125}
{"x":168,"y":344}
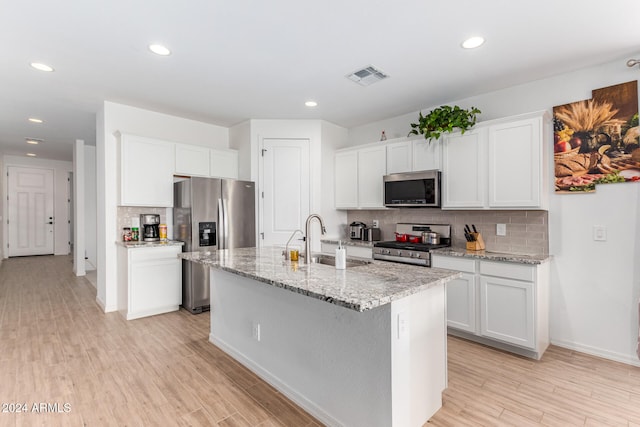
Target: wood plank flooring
{"x":57,"y":347}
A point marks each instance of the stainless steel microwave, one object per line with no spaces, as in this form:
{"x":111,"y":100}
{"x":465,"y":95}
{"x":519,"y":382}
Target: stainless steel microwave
{"x":412,"y":189}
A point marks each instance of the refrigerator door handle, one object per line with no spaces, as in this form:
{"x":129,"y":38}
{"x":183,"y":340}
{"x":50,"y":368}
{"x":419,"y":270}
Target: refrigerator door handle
{"x":226,"y":224}
{"x":221,"y":224}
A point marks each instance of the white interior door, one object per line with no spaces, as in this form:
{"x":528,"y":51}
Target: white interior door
{"x":285,"y":189}
{"x":30,"y":206}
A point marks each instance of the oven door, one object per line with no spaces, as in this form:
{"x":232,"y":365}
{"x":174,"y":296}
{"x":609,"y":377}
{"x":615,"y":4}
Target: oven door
{"x":415,"y":189}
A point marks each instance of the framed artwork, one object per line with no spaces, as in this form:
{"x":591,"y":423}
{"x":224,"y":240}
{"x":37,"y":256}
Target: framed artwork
{"x":596,"y":141}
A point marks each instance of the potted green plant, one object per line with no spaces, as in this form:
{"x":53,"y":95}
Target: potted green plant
{"x":444,"y":119}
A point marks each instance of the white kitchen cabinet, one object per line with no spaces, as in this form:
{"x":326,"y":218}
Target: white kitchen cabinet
{"x":499,"y":164}
{"x":464,"y":170}
{"x":399,"y":157}
{"x":150,"y":280}
{"x":372,"y":166}
{"x":515,"y":164}
{"x":224,"y":163}
{"x":501,"y":304}
{"x":427,"y":155}
{"x":346,"y":179}
{"x":192,"y":160}
{"x":146,"y":171}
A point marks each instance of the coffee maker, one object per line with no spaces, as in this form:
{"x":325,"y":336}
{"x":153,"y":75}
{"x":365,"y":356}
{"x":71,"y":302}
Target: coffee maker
{"x":150,"y":227}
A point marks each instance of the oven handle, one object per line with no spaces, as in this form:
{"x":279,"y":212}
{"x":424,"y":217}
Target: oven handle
{"x":415,"y":261}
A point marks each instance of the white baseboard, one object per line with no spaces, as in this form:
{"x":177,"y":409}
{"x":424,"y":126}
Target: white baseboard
{"x":594,"y":351}
{"x":104,"y":307}
{"x":274,"y":381}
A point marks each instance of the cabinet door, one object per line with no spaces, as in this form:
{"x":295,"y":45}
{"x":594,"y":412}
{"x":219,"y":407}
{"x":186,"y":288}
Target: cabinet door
{"x":427,"y":155}
{"x":156,"y":280}
{"x":224,"y":163}
{"x":464,"y":170}
{"x":346,"y":179}
{"x":506,"y":308}
{"x":461,"y":303}
{"x":399,"y":157}
{"x":192,"y":160}
{"x":372,"y":166}
{"x":515,"y":156}
{"x":146,"y":171}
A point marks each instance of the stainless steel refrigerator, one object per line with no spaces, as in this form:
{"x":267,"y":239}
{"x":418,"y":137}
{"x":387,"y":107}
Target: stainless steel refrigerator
{"x":210,"y":214}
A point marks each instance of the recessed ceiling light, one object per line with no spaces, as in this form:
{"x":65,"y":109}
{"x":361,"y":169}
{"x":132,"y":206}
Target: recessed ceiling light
{"x":41,"y":67}
{"x":159,"y":49}
{"x":34,"y":120}
{"x":31,"y":154}
{"x":311,"y":104}
{"x":473,"y":42}
{"x":33,"y":141}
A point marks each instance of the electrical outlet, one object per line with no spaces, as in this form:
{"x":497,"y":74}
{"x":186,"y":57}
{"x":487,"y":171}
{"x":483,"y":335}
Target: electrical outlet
{"x":376,"y":224}
{"x":255,"y":331}
{"x":501,"y":229}
{"x":599,"y":233}
{"x":403,"y":325}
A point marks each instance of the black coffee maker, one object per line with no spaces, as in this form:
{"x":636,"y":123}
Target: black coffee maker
{"x":150,"y":227}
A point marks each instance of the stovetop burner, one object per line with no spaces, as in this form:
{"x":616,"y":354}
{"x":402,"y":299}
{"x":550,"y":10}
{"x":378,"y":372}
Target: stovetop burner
{"x":412,"y":253}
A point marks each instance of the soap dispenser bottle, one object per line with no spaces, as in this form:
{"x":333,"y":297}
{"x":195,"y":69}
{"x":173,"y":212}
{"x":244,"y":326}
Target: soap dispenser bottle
{"x":341,"y":257}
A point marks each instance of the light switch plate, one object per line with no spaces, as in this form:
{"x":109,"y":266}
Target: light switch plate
{"x":501,"y":229}
{"x":599,"y":233}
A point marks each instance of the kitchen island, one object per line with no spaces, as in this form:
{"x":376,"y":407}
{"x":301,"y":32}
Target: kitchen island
{"x":365,"y":346}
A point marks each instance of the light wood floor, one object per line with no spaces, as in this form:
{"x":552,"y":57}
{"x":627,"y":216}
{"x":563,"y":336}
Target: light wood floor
{"x":56,"y":346}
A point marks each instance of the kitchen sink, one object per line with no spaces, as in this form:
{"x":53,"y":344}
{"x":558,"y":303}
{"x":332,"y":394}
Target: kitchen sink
{"x":331,"y":260}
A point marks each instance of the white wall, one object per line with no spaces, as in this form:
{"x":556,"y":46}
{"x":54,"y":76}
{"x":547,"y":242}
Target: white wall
{"x":595,"y":286}
{"x":117,"y":117}
{"x":333,"y":137}
{"x":61,"y":171}
{"x":240,"y":139}
{"x":90,"y":200}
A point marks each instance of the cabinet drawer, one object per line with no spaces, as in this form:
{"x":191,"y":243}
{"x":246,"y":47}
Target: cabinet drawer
{"x":454,"y":263}
{"x":507,"y":270}
{"x":154,"y":253}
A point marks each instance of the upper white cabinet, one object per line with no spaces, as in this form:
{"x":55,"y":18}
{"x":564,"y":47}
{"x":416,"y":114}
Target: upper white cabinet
{"x":399,"y":157}
{"x":498,"y":165}
{"x":346,"y":179}
{"x":192,"y":160}
{"x":427,"y":155}
{"x":413,"y":155}
{"x":464,"y":168}
{"x":224,"y":163}
{"x":358,"y":177}
{"x":372,"y":166}
{"x":146,"y":171}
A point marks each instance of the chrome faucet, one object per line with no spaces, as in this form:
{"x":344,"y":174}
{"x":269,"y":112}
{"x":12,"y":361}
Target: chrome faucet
{"x":307,"y":240}
{"x":286,"y":248}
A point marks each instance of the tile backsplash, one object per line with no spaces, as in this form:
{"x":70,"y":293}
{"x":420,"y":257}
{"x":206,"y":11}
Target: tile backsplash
{"x":527,"y":231}
{"x":126,"y":214}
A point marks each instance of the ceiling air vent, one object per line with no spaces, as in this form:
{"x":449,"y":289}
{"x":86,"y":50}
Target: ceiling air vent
{"x":367,"y":76}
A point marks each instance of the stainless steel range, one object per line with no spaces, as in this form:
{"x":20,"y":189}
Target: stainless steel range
{"x":412,"y":251}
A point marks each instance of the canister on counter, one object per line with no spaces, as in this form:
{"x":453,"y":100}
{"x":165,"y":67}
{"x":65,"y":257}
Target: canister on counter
{"x":135,"y":234}
{"x":126,"y":234}
{"x":163,"y":232}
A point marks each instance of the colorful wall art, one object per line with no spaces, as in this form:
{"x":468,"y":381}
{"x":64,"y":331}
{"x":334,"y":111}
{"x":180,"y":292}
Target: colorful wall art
{"x":596,"y":141}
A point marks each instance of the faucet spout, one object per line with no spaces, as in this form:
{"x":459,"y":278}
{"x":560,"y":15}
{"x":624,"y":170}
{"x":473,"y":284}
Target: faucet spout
{"x":307,"y":241}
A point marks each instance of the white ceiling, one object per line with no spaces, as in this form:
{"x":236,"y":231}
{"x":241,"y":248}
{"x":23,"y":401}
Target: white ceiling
{"x":239,"y":59}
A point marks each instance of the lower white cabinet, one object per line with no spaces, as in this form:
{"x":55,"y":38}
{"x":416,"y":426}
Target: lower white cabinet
{"x":149,"y":280}
{"x":503,"y":304}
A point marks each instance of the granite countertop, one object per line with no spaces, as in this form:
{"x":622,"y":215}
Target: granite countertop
{"x":493,"y":256}
{"x":131,"y":245}
{"x":348,"y":242}
{"x":358,"y":288}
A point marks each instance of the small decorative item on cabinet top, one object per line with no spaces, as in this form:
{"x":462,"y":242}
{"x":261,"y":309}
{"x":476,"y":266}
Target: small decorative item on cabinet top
{"x":383,"y":137}
{"x":444,"y":119}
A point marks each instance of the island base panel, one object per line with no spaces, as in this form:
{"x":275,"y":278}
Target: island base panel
{"x":344,"y":367}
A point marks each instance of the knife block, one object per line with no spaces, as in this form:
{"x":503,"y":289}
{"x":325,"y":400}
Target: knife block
{"x":478,"y":244}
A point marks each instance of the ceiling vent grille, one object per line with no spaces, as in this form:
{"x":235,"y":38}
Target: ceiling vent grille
{"x":367,"y":76}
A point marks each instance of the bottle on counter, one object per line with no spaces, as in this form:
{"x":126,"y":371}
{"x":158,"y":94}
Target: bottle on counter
{"x":135,"y":234}
{"x":126,"y":234}
{"x":341,"y":257}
